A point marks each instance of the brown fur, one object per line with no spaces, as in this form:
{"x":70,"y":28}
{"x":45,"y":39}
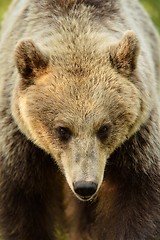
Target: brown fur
{"x":80,"y":65}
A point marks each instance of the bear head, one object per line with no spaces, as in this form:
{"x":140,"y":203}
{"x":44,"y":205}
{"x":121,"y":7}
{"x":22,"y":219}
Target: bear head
{"x":78,"y":108}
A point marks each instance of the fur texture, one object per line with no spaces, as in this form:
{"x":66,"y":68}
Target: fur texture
{"x":79,"y":102}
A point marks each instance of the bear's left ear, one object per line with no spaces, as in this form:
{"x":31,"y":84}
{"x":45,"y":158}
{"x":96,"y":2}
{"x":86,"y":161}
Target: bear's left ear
{"x":30,"y":61}
{"x":123,"y":55}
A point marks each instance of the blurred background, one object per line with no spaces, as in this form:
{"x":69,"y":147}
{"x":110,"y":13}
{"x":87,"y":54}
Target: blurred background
{"x":152,"y":6}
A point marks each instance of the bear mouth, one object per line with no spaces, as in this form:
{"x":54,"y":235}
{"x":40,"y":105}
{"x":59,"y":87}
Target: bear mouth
{"x":86,"y":198}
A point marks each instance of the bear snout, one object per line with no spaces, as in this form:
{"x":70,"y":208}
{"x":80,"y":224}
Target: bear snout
{"x":85,"y":190}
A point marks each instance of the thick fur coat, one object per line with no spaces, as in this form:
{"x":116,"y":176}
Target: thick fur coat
{"x":79,"y":104}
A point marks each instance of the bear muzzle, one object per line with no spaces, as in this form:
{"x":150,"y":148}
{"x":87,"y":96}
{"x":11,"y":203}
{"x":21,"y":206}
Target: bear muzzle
{"x":85,"y":190}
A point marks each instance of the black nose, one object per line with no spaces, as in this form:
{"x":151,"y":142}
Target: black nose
{"x":85,"y":189}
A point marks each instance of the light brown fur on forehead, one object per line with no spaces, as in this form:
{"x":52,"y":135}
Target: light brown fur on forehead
{"x":66,"y":2}
{"x":80,"y":100}
{"x":110,"y":5}
{"x":75,"y":106}
{"x":79,"y":88}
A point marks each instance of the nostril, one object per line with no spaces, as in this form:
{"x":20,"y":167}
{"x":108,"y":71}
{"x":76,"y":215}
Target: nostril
{"x":85,"y":189}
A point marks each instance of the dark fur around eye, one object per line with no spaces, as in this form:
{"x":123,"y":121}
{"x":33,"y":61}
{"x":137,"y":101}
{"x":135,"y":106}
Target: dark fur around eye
{"x":64,"y":134}
{"x":103,"y":132}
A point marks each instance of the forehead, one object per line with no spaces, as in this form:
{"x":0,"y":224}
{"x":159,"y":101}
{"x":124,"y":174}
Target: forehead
{"x":79,"y":83}
{"x":84,"y":92}
{"x":79,"y":99}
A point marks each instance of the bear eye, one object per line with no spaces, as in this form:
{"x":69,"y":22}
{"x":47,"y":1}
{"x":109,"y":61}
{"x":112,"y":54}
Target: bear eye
{"x":64,"y":134}
{"x":103,"y":132}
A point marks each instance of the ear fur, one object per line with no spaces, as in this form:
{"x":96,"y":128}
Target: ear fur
{"x":124,"y":54}
{"x":29,"y":59}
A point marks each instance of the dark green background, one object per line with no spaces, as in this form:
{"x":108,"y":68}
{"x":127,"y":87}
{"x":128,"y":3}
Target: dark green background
{"x":152,"y":6}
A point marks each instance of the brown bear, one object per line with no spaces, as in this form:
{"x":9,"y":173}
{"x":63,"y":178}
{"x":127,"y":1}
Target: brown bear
{"x":79,"y":121}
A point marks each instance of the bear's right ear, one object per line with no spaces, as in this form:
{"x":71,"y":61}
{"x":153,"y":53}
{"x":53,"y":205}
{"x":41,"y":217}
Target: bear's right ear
{"x":124,"y":54}
{"x":29,"y":60}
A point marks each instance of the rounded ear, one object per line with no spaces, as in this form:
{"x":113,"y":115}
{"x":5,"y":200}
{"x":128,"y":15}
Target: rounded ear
{"x":29,"y":59}
{"x":123,"y":55}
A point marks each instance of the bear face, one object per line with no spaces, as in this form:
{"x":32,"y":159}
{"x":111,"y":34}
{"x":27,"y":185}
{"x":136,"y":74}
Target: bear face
{"x":78,"y":117}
